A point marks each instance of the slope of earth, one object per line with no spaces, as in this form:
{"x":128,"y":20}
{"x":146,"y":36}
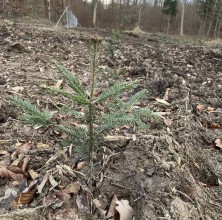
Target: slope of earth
{"x":172,"y":171}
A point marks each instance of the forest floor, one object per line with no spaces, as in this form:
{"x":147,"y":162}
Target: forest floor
{"x":172,"y":171}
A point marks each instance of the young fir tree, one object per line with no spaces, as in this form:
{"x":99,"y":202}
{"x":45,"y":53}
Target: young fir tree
{"x":87,"y":138}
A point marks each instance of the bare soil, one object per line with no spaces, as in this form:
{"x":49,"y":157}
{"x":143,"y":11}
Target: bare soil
{"x":173,"y":171}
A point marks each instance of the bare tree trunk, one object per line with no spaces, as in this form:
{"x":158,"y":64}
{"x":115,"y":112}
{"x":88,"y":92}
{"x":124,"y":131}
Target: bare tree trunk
{"x":182,"y":17}
{"x":202,"y":26}
{"x":121,"y":13}
{"x":49,"y":9}
{"x":34,"y":8}
{"x":212,"y":17}
{"x":128,"y":3}
{"x":193,"y":19}
{"x":46,"y":8}
{"x":135,"y":2}
{"x":95,"y":13}
{"x":168,"y":24}
{"x":140,"y":12}
{"x":161,"y":22}
{"x":1,"y":9}
{"x":155,"y":3}
{"x":219,"y":26}
{"x":112,"y":3}
{"x":217,"y":22}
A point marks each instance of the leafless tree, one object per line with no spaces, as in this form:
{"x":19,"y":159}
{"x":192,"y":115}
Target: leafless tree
{"x":95,"y":12}
{"x":212,"y":18}
{"x":182,"y":17}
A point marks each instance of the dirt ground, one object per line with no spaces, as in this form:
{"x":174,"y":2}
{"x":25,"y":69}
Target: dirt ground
{"x":173,"y":171}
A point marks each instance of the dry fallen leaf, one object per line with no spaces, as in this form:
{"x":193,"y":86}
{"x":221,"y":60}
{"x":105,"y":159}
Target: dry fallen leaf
{"x":58,"y":84}
{"x":17,"y":89}
{"x":82,"y":202}
{"x":18,"y":161}
{"x":11,"y":172}
{"x":80,"y":165}
{"x":26,"y":196}
{"x":99,"y":206}
{"x":112,"y":209}
{"x":69,"y":170}
{"x":3,"y":152}
{"x":73,"y":188}
{"x":49,"y":200}
{"x":134,"y":137}
{"x":62,"y":195}
{"x":42,"y":146}
{"x":168,"y":121}
{"x":166,"y":96}
{"x":5,"y":141}
{"x":41,"y":70}
{"x":5,"y":158}
{"x":163,"y":113}
{"x":96,"y":93}
{"x":7,"y":200}
{"x":218,"y":142}
{"x":213,"y":125}
{"x":34,"y":175}
{"x":210,"y":109}
{"x":24,"y":149}
{"x":200,"y":107}
{"x":53,"y":182}
{"x":162,"y":101}
{"x":124,"y":209}
{"x":42,"y":184}
{"x":116,"y":138}
{"x":25,"y":162}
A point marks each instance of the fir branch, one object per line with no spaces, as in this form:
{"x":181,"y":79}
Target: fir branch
{"x":135,"y":98}
{"x":116,"y":104}
{"x":116,"y":89}
{"x":141,"y":124}
{"x":110,"y":121}
{"x":34,"y":116}
{"x":145,"y":113}
{"x":73,"y":113}
{"x":35,"y":120}
{"x":117,"y":118}
{"x":72,"y":81}
{"x":82,"y":149}
{"x":79,"y":133}
{"x":75,"y":98}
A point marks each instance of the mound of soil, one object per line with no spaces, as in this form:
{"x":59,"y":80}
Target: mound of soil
{"x":172,"y":171}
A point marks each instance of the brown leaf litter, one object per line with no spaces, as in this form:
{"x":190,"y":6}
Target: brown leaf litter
{"x":170,"y":172}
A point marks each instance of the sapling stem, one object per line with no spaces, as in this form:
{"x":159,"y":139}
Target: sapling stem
{"x":95,"y":44}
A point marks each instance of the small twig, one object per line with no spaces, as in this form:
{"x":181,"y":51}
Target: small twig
{"x":116,"y":184}
{"x":54,"y":158}
{"x":140,"y":197}
{"x":215,"y":112}
{"x":215,"y":204}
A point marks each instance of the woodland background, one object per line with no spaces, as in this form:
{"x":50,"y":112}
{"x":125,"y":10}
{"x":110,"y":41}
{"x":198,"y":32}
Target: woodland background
{"x":190,"y":17}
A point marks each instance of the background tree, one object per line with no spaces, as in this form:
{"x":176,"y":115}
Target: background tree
{"x":182,"y":17}
{"x":203,"y":17}
{"x":205,"y":11}
{"x":95,"y":4}
{"x":170,"y":9}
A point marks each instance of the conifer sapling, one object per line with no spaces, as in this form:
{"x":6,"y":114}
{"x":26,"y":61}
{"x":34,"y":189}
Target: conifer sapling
{"x":97,"y":123}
